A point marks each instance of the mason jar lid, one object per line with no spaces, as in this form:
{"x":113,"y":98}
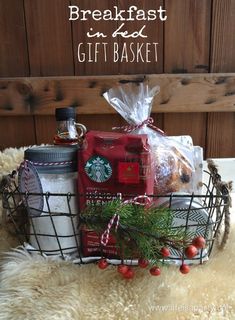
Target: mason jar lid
{"x":53,"y":159}
{"x":63,"y":114}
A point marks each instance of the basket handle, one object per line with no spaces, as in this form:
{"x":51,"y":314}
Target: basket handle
{"x":225,"y":189}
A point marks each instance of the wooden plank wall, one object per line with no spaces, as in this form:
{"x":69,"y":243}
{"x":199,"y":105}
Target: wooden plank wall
{"x":38,"y":40}
{"x":221,"y":127}
{"x":178,"y":93}
{"x":187,"y":50}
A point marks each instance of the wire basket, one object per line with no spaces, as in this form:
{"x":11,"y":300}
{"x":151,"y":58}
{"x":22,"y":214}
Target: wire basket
{"x":59,"y":233}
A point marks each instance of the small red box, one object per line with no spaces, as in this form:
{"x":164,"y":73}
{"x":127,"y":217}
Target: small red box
{"x":128,"y":172}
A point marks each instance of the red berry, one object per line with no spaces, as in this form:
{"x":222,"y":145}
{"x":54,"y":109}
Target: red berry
{"x":143,"y":263}
{"x":191,"y":251}
{"x":155,"y":271}
{"x":122,"y":268}
{"x":102,"y":264}
{"x":199,"y":242}
{"x":184,"y":268}
{"x":165,"y":252}
{"x":129,"y":274}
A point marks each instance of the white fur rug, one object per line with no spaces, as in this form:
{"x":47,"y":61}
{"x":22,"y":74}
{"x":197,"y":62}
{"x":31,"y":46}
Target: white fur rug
{"x":35,"y":288}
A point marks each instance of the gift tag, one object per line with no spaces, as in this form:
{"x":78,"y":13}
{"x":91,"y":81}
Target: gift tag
{"x":29,"y":182}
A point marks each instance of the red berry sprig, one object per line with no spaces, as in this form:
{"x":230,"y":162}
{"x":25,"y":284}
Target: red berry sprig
{"x":184,"y":268}
{"x":126,"y":271}
{"x":143,"y":263}
{"x":155,"y":271}
{"x":191,"y":251}
{"x":165,"y":252}
{"x":122,"y":268}
{"x":199,"y":242}
{"x":103,"y":264}
{"x":129,"y":274}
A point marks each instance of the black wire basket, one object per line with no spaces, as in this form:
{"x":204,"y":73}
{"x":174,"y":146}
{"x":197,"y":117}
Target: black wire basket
{"x":59,"y":233}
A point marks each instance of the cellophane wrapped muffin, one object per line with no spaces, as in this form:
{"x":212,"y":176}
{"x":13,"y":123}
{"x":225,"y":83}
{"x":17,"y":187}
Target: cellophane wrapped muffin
{"x":173,"y":162}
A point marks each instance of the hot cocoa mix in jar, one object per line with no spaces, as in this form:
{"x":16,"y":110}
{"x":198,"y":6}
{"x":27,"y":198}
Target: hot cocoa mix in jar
{"x":49,"y":175}
{"x":110,"y":164}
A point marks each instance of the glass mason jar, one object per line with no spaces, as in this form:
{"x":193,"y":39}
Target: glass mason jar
{"x":50,"y":172}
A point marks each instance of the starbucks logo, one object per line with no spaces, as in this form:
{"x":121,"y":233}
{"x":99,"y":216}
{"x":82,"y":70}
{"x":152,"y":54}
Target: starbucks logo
{"x":98,"y":169}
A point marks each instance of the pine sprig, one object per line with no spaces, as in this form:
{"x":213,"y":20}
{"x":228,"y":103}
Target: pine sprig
{"x":142,"y":232}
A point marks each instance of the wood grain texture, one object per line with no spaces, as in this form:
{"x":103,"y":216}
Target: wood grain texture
{"x":16,"y":132}
{"x":187,"y":36}
{"x":187,"y":47}
{"x":146,"y":63}
{"x":50,"y":52}
{"x":13,"y":48}
{"x":220,"y":127}
{"x":223,"y":40}
{"x":45,"y":129}
{"x":179,"y":93}
{"x":221,"y":135}
{"x":49,"y":37}
{"x":100,"y":122}
{"x":103,"y":62}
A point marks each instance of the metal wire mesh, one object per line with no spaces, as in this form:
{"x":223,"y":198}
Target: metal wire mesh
{"x":58,"y":233}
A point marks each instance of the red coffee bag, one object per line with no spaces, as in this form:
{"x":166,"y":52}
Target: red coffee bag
{"x":112,"y":163}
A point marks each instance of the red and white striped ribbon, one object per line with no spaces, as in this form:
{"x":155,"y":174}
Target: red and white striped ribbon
{"x":148,"y":122}
{"x":116,"y":218}
{"x":40,"y":164}
{"x":137,"y":200}
{"x":106,"y":234}
{"x":25,"y":165}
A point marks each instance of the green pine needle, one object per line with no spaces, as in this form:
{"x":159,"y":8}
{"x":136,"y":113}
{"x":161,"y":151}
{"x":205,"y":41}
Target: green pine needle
{"x":141,"y":232}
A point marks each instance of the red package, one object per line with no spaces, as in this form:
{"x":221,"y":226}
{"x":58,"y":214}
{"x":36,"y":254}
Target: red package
{"x":112,"y":163}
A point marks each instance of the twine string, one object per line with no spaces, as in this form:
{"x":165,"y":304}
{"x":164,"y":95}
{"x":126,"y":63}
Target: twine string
{"x":148,"y":122}
{"x":222,"y":188}
{"x":25,"y":165}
